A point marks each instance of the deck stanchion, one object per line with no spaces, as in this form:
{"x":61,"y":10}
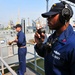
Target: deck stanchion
{"x":35,"y":62}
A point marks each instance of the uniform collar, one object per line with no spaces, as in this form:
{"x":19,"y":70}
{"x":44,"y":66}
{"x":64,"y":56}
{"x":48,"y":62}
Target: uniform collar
{"x":65,"y":34}
{"x":19,"y":31}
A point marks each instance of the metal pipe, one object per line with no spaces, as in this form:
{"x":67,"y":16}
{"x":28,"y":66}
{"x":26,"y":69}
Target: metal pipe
{"x":2,"y":66}
{"x":69,"y":2}
{"x":47,"y":5}
{"x":35,"y":60}
{"x":47,"y":28}
{"x":12,"y":72}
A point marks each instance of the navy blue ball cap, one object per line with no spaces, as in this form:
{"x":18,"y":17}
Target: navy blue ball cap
{"x":56,"y":9}
{"x":18,"y":25}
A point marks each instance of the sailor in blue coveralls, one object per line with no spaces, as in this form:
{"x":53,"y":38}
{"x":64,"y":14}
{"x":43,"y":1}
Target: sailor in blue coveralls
{"x":59,"y":49}
{"x":22,"y":50}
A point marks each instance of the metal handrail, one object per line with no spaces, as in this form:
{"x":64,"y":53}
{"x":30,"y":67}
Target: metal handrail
{"x":12,"y":72}
{"x":34,"y":54}
{"x":35,"y":58}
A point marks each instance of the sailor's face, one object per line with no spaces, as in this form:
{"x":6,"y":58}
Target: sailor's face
{"x":53,"y":21}
{"x":18,"y":29}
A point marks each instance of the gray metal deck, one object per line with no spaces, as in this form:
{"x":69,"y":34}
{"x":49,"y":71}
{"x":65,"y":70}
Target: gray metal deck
{"x":28,"y":72}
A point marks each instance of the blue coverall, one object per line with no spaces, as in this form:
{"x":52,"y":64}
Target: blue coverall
{"x":60,"y":60}
{"x":21,"y":52}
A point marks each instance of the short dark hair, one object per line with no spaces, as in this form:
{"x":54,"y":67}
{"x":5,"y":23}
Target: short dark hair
{"x":18,"y":25}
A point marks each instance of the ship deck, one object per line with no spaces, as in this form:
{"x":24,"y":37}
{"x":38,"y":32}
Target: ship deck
{"x":28,"y":72}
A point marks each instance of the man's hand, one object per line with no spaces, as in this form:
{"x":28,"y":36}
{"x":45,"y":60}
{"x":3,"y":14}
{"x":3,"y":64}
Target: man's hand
{"x":39,"y":37}
{"x":16,"y":40}
{"x":10,"y":42}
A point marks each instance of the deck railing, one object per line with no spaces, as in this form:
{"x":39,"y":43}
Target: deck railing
{"x":13,"y":54}
{"x":7,"y":66}
{"x":3,"y":63}
{"x":35,"y":60}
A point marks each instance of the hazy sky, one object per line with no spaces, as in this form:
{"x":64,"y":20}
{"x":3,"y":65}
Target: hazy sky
{"x":13,"y":9}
